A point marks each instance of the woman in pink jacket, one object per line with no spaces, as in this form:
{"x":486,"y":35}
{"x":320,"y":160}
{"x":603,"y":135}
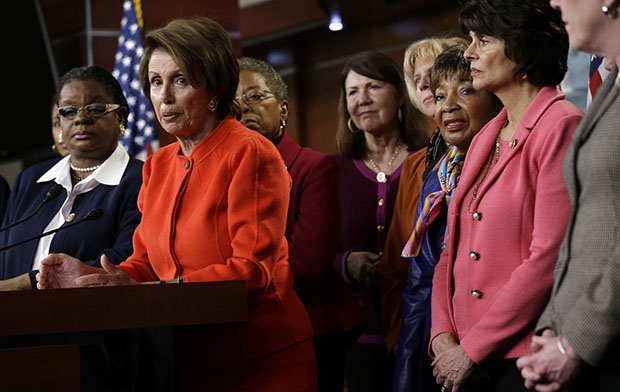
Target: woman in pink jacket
{"x":508,"y":216}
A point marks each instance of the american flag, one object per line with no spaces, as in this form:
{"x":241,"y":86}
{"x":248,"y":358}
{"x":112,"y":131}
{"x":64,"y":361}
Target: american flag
{"x":141,"y":139}
{"x":598,"y":73}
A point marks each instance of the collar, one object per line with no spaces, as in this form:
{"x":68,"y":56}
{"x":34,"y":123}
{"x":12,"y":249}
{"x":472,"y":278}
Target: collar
{"x":288,"y":148}
{"x":546,"y":97}
{"x":109,"y":173}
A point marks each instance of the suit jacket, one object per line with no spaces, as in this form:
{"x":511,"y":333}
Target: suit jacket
{"x":312,"y":231}
{"x":491,"y":302}
{"x":220,"y":214}
{"x":5,"y":191}
{"x":585,"y":302}
{"x":111,"y":234}
{"x":393,"y":268}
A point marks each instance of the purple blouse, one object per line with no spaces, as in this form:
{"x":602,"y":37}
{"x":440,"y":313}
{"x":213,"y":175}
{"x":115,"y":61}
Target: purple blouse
{"x":366,"y":208}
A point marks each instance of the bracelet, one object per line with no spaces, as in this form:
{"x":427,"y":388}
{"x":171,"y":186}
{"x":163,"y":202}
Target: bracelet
{"x":565,"y":352}
{"x":561,"y":347}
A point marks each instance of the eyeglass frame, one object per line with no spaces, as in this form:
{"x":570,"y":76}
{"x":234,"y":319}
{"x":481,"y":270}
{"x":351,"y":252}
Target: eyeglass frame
{"x":244,"y":97}
{"x":109,"y":108}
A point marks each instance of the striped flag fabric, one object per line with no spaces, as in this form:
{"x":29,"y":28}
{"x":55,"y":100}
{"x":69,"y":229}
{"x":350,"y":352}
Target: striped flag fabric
{"x":598,"y":73}
{"x":141,"y":138}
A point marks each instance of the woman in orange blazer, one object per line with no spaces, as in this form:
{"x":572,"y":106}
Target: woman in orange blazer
{"x":214,"y":208}
{"x":508,"y":216}
{"x":313,"y":222}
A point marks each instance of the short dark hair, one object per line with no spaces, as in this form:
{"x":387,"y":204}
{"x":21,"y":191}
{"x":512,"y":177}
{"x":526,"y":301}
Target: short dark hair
{"x":533,"y":33}
{"x":451,"y":62}
{"x":379,"y":66}
{"x":202,"y":49}
{"x":103,"y":77}
{"x":273,"y":80}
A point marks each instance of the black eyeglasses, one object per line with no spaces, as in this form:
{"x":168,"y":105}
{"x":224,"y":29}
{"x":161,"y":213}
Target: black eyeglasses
{"x":92,"y":110}
{"x":254,"y":97}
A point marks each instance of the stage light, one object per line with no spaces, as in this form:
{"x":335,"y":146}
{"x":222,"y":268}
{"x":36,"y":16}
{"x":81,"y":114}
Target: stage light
{"x":335,"y":23}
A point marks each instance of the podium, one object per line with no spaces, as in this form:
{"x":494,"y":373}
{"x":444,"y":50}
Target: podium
{"x":41,"y":331}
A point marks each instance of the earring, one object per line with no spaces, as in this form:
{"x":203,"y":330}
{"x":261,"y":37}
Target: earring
{"x":400,"y":115}
{"x":123,"y":129}
{"x":212,"y":105}
{"x":524,"y":76}
{"x":282,"y":125}
{"x":351,"y":126}
{"x":59,"y":136}
{"x":609,"y":12}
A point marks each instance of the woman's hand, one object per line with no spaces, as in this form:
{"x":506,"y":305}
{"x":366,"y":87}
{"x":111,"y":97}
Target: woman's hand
{"x":363,"y":267}
{"x":61,"y":271}
{"x":21,"y":282}
{"x":452,"y":366}
{"x":113,"y":276}
{"x":552,"y":364}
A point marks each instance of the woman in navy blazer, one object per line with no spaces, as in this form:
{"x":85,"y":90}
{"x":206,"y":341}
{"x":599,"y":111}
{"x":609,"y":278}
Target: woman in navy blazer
{"x":98,"y":173}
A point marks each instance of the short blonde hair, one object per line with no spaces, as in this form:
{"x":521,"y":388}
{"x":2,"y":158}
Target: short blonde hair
{"x":425,"y":48}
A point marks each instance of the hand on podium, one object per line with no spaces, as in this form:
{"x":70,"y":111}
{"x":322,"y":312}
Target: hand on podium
{"x":63,"y":271}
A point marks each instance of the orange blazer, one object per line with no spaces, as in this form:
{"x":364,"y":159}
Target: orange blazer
{"x":393,"y":268}
{"x":220,"y":214}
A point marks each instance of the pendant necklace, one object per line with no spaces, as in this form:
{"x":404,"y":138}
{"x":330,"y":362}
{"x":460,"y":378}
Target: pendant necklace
{"x":381,"y":175}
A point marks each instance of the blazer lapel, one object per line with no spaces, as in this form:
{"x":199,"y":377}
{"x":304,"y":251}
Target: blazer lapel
{"x":288,"y":149}
{"x":539,"y":105}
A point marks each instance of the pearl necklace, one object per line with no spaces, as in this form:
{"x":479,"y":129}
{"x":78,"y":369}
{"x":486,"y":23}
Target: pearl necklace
{"x":85,"y":169}
{"x":381,"y":175}
{"x":76,"y":178}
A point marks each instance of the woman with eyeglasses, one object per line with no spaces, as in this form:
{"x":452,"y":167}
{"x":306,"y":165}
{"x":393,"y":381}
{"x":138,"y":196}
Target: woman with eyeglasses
{"x":214,"y":207}
{"x":378,"y":128}
{"x":97,"y":173}
{"x":313,"y":222}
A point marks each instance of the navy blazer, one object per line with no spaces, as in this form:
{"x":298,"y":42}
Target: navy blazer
{"x":111,"y":234}
{"x":5,"y":191}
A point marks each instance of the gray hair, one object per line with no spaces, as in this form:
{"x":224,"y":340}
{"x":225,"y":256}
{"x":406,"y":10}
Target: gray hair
{"x":273,"y":80}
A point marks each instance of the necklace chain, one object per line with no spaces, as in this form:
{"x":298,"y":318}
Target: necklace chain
{"x":493,"y":156}
{"x":76,"y":178}
{"x":85,"y":169}
{"x":389,"y":164}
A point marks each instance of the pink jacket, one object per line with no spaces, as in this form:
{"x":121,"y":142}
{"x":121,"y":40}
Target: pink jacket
{"x":491,"y":300}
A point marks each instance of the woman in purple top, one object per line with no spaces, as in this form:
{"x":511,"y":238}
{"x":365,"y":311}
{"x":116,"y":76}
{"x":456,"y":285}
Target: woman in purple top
{"x":378,"y":128}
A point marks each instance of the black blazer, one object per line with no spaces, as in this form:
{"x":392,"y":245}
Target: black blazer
{"x":111,"y":234}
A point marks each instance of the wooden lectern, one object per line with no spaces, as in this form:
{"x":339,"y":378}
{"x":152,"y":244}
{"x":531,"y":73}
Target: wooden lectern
{"x":41,"y":331}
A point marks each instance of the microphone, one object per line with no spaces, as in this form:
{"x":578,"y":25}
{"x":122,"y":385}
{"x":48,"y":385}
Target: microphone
{"x":54,"y":191}
{"x":92,"y":215}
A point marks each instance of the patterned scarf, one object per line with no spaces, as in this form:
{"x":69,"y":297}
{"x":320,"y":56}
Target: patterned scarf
{"x":449,"y":173}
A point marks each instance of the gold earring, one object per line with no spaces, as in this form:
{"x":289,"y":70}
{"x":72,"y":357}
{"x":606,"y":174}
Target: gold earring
{"x":400,"y":116}
{"x":351,"y":126}
{"x":123,"y":129}
{"x":60,"y":136}
{"x":282,"y":125}
{"x":212,"y":105}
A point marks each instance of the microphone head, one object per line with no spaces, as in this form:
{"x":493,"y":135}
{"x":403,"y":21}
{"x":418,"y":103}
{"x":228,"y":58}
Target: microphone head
{"x":94,"y":214}
{"x":54,"y":191}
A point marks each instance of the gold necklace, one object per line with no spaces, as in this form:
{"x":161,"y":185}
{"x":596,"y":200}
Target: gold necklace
{"x":381,"y":176}
{"x":493,"y":156}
